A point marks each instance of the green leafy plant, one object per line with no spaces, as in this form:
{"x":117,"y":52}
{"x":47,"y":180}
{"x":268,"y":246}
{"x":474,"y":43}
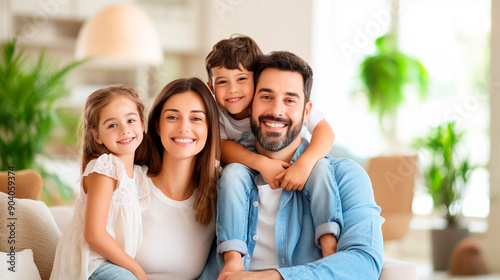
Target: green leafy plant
{"x":66,"y":132}
{"x":446,"y":172}
{"x":28,"y":90}
{"x":384,"y":77}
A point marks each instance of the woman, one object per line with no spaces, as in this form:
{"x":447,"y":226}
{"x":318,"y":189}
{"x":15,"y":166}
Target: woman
{"x":179,"y":223}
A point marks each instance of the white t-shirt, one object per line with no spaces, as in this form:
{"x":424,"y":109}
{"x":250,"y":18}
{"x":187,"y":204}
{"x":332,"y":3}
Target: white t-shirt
{"x":264,"y":255}
{"x":175,"y":245}
{"x":241,"y":132}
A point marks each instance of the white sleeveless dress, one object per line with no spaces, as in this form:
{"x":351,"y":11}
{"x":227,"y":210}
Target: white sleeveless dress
{"x":74,"y":258}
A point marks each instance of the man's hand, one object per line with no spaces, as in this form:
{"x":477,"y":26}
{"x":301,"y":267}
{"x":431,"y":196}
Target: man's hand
{"x":252,"y":275}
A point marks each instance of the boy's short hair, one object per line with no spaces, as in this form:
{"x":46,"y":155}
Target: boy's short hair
{"x":286,"y":61}
{"x":230,"y":53}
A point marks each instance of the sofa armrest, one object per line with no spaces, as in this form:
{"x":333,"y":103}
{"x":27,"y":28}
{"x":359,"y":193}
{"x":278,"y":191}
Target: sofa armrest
{"x":34,"y":228}
{"x":397,"y":270}
{"x":62,"y":216}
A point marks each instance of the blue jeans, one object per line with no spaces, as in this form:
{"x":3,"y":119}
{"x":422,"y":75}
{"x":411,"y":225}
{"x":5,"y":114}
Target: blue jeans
{"x":110,"y":271}
{"x":233,"y":188}
{"x":323,"y":193}
{"x":234,"y":204}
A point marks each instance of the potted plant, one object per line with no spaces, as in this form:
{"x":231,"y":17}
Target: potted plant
{"x":385,"y":77}
{"x":28,"y":90}
{"x":445,"y":173}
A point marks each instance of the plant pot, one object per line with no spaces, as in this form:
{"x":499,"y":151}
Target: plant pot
{"x":443,"y":243}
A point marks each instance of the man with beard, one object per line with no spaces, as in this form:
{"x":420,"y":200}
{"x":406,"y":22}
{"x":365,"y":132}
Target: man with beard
{"x":281,"y":243}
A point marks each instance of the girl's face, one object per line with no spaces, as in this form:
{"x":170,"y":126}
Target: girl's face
{"x":183,"y":127}
{"x":120,"y":127}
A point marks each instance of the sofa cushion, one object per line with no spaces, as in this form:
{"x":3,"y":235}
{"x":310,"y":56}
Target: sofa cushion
{"x":34,"y":229}
{"x":22,"y":267}
{"x":397,"y":270}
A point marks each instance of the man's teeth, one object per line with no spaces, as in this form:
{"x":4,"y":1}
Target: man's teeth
{"x":279,"y":125}
{"x":186,"y":140}
{"x":126,"y":141}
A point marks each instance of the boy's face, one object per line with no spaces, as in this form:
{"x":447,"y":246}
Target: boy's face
{"x":233,"y":90}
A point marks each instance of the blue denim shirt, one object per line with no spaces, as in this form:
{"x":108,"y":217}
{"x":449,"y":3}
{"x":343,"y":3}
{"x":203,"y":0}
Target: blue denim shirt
{"x":360,"y":245}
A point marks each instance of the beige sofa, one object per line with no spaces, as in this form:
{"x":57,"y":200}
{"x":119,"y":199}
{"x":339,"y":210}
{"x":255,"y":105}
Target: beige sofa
{"x":38,"y":227}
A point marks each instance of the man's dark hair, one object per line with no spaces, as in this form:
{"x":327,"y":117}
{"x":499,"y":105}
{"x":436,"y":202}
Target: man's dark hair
{"x":286,"y":61}
{"x":230,"y":53}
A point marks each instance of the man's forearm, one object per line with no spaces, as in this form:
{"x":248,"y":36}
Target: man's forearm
{"x":341,"y":265}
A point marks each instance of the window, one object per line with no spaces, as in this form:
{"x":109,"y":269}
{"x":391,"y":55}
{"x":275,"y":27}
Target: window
{"x":451,"y":39}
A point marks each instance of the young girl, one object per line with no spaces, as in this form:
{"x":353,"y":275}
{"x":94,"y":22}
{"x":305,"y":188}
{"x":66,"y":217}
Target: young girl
{"x":105,"y":233}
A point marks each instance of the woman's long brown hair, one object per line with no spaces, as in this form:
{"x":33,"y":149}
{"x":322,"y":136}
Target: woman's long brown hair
{"x":206,"y":169}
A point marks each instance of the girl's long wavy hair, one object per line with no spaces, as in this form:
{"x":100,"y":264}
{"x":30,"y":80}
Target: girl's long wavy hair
{"x":206,"y":168}
{"x":90,"y":122}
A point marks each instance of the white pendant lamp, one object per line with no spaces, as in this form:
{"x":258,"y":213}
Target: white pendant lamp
{"x":119,"y":35}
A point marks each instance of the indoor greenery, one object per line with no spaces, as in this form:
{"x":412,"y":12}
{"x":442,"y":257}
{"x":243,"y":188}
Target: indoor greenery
{"x":28,"y":89}
{"x":446,"y":171}
{"x":384,"y":77}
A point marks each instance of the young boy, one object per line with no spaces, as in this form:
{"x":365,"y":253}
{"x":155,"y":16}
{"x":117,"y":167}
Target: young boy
{"x":230,"y":67}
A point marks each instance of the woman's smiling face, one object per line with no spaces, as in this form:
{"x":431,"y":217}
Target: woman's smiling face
{"x":183,"y":125}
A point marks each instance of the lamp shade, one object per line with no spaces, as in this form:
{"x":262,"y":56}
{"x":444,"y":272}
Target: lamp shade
{"x":121,"y":34}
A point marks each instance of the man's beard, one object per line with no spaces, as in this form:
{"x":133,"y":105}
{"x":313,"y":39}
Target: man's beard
{"x":266,"y":141}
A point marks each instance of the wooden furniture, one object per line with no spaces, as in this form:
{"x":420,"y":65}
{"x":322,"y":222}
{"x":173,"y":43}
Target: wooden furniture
{"x":393,"y":178}
{"x":28,"y":183}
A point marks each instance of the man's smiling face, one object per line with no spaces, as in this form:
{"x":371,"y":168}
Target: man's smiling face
{"x":278,"y":108}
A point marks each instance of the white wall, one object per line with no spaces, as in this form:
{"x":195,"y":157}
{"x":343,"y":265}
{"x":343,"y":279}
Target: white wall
{"x":492,"y":238}
{"x":274,"y":25}
{"x":4,"y":19}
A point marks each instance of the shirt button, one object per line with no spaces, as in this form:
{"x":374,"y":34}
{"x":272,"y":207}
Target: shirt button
{"x":255,"y":238}
{"x":255,"y":203}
